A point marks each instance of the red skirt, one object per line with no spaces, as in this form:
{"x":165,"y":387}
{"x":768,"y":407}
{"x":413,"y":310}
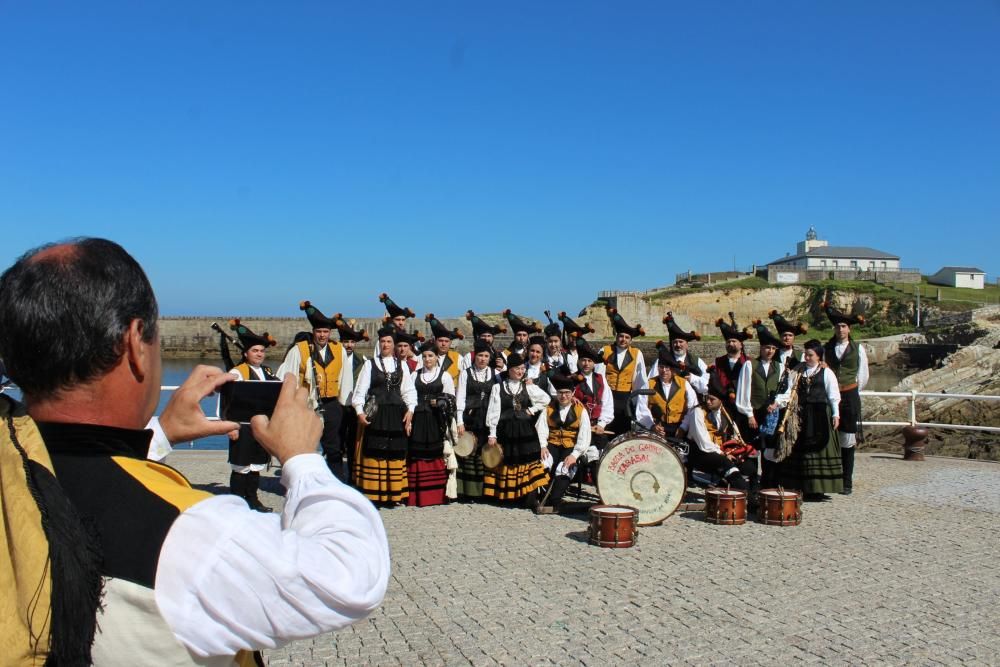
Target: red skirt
{"x":427,"y":480}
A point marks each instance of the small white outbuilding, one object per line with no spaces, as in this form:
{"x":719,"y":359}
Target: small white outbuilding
{"x":959,"y":276}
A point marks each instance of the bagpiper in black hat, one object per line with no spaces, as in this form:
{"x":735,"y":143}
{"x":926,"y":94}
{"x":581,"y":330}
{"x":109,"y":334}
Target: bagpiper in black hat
{"x":621,"y":326}
{"x":675,"y":332}
{"x":317,"y":319}
{"x":347,"y":331}
{"x":517,"y":324}
{"x":248,"y":338}
{"x":393,"y":309}
{"x":562,"y":380}
{"x":784,"y":326}
{"x":585,"y":351}
{"x":764,"y":335}
{"x":480,"y":326}
{"x":730,"y":331}
{"x":439,"y":330}
{"x":837,"y":317}
{"x":570,"y":327}
{"x":663,"y":347}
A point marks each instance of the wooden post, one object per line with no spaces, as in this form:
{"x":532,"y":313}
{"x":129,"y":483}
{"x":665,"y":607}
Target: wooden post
{"x":914,"y":441}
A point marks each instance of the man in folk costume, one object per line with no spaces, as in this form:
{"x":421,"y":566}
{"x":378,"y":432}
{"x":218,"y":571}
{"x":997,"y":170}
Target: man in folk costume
{"x":397,"y":315}
{"x":484,"y":331}
{"x":718,"y":449}
{"x":593,"y":393}
{"x":99,"y":535}
{"x":672,"y":398}
{"x":759,"y":382}
{"x":624,"y":368}
{"x":729,"y":366}
{"x":787,"y":332}
{"x":693,"y":369}
{"x":556,"y":353}
{"x":564,"y":429}
{"x":522,"y":330}
{"x":349,"y":338}
{"x":380,"y":468}
{"x":451,"y":361}
{"x":406,"y":345}
{"x":320,"y":364}
{"x":849,"y":361}
{"x":246,"y":457}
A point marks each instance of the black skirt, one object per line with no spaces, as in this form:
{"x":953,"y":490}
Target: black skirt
{"x":245,"y":450}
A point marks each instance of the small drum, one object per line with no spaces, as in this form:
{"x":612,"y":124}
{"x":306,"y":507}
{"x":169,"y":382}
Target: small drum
{"x":492,"y":456}
{"x":780,"y":508}
{"x":644,"y":472}
{"x":727,"y":507}
{"x":613,"y":526}
{"x":465,"y":445}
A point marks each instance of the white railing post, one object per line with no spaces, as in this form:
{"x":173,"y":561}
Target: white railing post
{"x":913,"y":407}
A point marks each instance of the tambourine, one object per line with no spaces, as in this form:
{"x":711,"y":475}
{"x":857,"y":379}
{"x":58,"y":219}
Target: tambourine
{"x":492,"y":455}
{"x":465,"y":445}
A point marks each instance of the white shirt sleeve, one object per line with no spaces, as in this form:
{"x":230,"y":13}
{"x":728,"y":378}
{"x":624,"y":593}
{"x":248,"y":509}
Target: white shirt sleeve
{"x":698,"y":434}
{"x":639,"y":379}
{"x":291,"y":363}
{"x":229,"y":578}
{"x":832,"y":390}
{"x":642,"y":413}
{"x":582,"y":436}
{"x":407,"y":389}
{"x":361,"y":388}
{"x":447,"y":383}
{"x":862,"y":367}
{"x":542,"y":428}
{"x":540,"y":399}
{"x":493,"y":410}
{"x":159,"y":445}
{"x":691,"y":397}
{"x":463,"y":387}
{"x":743,"y":383}
{"x":607,"y":405}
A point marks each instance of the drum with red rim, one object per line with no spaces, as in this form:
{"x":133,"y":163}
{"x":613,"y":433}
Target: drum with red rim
{"x":727,"y":507}
{"x":613,"y":526}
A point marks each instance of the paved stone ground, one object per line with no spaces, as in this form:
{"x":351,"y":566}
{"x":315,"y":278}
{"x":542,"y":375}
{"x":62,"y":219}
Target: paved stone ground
{"x":905,"y":571}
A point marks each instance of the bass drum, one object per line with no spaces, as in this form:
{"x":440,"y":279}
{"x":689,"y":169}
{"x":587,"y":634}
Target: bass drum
{"x":641,"y":470}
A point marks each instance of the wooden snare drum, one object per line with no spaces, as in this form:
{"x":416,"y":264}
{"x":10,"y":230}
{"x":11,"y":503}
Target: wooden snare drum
{"x":613,"y":526}
{"x":727,"y":507}
{"x":780,"y":508}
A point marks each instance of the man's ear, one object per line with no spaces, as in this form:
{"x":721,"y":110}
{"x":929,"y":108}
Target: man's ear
{"x":136,"y":352}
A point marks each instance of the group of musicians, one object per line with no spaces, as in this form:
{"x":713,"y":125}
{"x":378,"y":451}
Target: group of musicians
{"x":417,"y":420}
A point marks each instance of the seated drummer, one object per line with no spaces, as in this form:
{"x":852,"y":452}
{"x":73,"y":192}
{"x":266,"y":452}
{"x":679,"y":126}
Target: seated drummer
{"x":565,"y":429}
{"x":709,"y":427}
{"x":672,"y":397}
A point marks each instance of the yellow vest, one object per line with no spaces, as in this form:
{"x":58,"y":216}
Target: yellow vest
{"x":718,"y":436}
{"x":619,"y":379}
{"x":453,"y":368}
{"x":668,"y":411}
{"x":564,"y":436}
{"x":327,"y":378}
{"x":244,"y":370}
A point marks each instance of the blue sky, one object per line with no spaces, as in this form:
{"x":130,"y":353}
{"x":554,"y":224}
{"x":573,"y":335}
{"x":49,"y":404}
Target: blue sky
{"x":492,"y":155}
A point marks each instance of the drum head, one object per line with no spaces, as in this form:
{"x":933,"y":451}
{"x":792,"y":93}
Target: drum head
{"x":492,"y":456}
{"x":465,"y":445}
{"x":641,"y":471}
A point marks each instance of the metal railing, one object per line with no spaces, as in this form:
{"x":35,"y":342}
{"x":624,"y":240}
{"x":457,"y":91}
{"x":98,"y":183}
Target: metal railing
{"x":912,"y":396}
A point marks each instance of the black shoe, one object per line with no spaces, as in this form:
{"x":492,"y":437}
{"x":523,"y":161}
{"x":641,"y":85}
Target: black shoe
{"x":847,"y":491}
{"x":816,"y":497}
{"x":258,"y":506}
{"x":737,"y":482}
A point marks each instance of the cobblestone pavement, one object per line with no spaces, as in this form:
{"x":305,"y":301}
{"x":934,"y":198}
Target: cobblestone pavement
{"x":905,"y":571}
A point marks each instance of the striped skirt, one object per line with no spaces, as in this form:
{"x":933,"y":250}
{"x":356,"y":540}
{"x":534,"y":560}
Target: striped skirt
{"x":427,"y":480}
{"x":382,"y":480}
{"x":470,"y":476}
{"x":510,"y":482}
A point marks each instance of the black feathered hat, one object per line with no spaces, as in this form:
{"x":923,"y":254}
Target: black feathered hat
{"x":248,"y":338}
{"x":585,"y":351}
{"x":571,"y":327}
{"x":439,"y":330}
{"x":681,"y":365}
{"x":389,"y":330}
{"x":537,"y":340}
{"x":730,"y":330}
{"x":764,"y":335}
{"x":347,"y":331}
{"x":838,"y":317}
{"x":515,"y":359}
{"x":563,"y":380}
{"x":317,"y":319}
{"x":412,"y":338}
{"x":552,"y":328}
{"x":784,"y":326}
{"x":621,"y":326}
{"x":393,"y":309}
{"x":481,"y":346}
{"x":517,"y":324}
{"x":675,"y":332}
{"x":427,"y":346}
{"x":479,"y":326}
{"x":665,"y":357}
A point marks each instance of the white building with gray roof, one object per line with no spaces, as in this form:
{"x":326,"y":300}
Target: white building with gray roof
{"x":815,"y":259}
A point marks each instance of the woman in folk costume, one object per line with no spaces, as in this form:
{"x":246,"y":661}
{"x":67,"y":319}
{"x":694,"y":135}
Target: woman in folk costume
{"x":425,"y":466}
{"x":522,"y":330}
{"x":380,"y":471}
{"x":564,"y":431}
{"x":484,"y":331}
{"x":624,"y":368}
{"x":246,"y":457}
{"x":537,"y":371}
{"x":849,"y":362}
{"x":672,"y":397}
{"x":474,"y":387}
{"x":394,"y":313}
{"x":813,"y":464}
{"x":513,"y":408}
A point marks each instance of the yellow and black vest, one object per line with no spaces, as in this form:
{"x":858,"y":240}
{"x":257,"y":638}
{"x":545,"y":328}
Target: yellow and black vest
{"x":669,"y":404}
{"x":619,"y":379}
{"x":450,"y":364}
{"x":563,"y":434}
{"x":724,"y":433}
{"x":327,"y":376}
{"x":244,"y":371}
